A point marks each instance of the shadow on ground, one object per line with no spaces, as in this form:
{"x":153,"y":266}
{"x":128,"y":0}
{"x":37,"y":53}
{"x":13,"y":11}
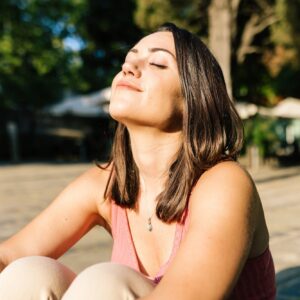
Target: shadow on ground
{"x":288,"y":284}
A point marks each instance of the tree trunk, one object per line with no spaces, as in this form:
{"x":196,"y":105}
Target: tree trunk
{"x":219,"y":33}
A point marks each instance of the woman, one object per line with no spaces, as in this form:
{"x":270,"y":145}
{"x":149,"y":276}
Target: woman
{"x":186,"y":219}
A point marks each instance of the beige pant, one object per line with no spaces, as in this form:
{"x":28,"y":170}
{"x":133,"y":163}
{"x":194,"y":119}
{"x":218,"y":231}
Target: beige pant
{"x":43,"y":278}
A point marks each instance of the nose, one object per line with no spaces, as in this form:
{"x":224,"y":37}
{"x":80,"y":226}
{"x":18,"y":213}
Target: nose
{"x":129,"y":68}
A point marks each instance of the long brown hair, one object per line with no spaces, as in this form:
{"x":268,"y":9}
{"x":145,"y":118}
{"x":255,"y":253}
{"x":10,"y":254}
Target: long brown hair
{"x":212,"y":131}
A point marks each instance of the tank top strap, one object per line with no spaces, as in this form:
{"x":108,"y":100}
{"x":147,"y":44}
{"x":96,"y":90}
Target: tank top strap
{"x":181,"y":230}
{"x":123,"y":251}
{"x":114,"y":218}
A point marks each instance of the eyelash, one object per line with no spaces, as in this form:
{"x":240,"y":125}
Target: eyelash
{"x":155,"y":65}
{"x":159,"y":66}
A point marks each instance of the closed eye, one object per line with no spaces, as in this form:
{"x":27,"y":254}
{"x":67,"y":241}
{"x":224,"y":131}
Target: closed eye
{"x":158,"y":65}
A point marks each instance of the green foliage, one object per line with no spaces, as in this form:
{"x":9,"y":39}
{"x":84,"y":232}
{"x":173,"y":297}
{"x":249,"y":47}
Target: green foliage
{"x":271,"y":71}
{"x":32,"y":55}
{"x":109,"y":32}
{"x":191,"y":14}
{"x":252,"y":81}
{"x":36,"y":67}
{"x":286,"y":31}
{"x":285,"y":41}
{"x":261,"y":132}
{"x":286,"y":83}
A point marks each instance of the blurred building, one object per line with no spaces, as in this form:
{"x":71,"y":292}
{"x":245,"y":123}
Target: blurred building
{"x":77,"y":128}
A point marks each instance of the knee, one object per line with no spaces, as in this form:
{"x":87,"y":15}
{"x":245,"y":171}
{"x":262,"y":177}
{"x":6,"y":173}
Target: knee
{"x":108,"y":281}
{"x":35,"y":276}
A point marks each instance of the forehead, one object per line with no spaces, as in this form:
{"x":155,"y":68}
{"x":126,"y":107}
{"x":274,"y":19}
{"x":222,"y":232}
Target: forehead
{"x":162,"y":39}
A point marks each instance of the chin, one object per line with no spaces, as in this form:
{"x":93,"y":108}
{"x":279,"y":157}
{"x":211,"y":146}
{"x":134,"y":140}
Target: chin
{"x":116,"y":116}
{"x":119,"y":112}
{"x":132,"y":118}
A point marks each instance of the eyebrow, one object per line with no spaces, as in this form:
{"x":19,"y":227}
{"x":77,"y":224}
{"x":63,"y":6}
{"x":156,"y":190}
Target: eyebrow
{"x":134,"y":50}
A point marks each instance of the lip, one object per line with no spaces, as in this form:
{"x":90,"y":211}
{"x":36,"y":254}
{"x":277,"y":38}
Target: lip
{"x":128,"y":85}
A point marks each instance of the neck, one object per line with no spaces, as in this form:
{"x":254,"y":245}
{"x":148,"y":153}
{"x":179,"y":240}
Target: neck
{"x":154,"y":152}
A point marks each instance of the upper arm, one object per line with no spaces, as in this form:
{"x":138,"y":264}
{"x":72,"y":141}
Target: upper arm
{"x":213,"y":252}
{"x":72,"y":213}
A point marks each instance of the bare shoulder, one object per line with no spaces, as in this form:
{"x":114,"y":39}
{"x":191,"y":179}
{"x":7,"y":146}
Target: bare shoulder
{"x":225,"y":176}
{"x":227,"y":186}
{"x":228,"y":171}
{"x":95,"y":180}
{"x":96,"y":177}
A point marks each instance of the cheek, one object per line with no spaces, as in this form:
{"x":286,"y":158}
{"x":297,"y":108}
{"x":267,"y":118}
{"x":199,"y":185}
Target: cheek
{"x":173,"y":99}
{"x":114,"y":81}
{"x":178,"y":97}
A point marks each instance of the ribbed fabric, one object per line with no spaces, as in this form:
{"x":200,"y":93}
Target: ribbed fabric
{"x":256,"y":281}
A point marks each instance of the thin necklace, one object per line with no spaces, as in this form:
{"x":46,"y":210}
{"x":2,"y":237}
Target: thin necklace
{"x":150,"y":226}
{"x":150,"y":215}
{"x":149,"y":219}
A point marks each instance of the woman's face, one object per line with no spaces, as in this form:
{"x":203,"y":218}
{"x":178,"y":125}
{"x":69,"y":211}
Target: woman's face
{"x":147,"y":92}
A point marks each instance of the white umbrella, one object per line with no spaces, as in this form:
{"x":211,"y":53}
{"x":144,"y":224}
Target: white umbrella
{"x":246,"y":110}
{"x":265,"y":111}
{"x":287,"y":108}
{"x":92,"y":105}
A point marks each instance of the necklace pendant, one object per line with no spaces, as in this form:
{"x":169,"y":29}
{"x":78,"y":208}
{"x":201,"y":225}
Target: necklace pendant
{"x":150,"y":227}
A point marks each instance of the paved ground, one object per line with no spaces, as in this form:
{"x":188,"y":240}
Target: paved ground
{"x":26,"y":189}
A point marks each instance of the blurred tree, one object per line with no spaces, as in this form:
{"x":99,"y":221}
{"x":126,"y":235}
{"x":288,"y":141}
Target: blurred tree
{"x":48,"y":47}
{"x":240,"y":33}
{"x":33,"y":62}
{"x":189,"y":14}
{"x":261,"y":132}
{"x":225,"y":30}
{"x":283,"y":59}
{"x":222,"y":21}
{"x":285,"y":35}
{"x":108,"y":30}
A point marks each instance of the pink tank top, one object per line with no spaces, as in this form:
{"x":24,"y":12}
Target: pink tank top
{"x":256,"y":281}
